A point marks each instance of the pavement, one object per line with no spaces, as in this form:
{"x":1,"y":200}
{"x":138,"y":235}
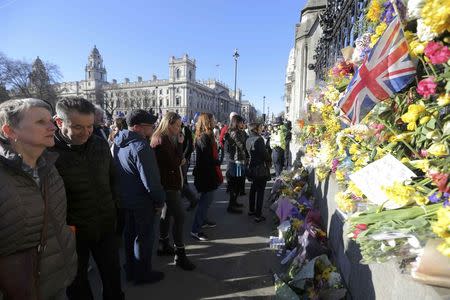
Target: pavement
{"x":235,"y":263}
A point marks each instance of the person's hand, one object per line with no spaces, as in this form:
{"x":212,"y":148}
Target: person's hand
{"x":183,"y":162}
{"x":180,"y":138}
{"x":158,"y":210}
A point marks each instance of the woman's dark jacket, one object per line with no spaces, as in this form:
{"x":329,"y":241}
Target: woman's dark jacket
{"x":22,"y":215}
{"x":169,"y":156}
{"x":235,"y":146}
{"x":257,"y":151}
{"x":205,"y":176}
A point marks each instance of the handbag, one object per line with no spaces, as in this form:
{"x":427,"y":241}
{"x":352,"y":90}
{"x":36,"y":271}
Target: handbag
{"x":260,"y":171}
{"x":19,"y":272}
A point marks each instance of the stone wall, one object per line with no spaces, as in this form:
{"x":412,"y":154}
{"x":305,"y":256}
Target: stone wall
{"x":364,"y":282}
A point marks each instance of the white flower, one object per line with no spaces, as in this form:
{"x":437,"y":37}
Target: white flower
{"x":424,"y":32}
{"x":414,"y":8}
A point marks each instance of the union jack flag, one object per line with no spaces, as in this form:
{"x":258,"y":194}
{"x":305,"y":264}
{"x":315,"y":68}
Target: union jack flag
{"x":387,"y":69}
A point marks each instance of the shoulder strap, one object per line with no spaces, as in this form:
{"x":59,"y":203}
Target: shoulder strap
{"x":43,"y":241}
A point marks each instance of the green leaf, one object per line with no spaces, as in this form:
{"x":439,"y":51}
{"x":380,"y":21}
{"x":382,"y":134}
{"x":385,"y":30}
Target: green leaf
{"x":431,"y":124}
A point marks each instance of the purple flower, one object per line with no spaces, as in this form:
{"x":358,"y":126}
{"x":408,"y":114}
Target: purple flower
{"x":438,"y":197}
{"x":434,"y":198}
{"x":446,"y":203}
{"x":389,"y":11}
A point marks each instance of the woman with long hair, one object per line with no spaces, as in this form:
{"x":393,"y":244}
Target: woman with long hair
{"x":37,"y":248}
{"x":236,"y":156}
{"x":207,"y":174}
{"x":167,"y":141}
{"x":259,"y":170}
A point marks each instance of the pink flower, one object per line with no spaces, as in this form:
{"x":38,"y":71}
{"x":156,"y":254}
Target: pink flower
{"x":437,"y":53}
{"x":423,"y":153}
{"x":427,"y":87}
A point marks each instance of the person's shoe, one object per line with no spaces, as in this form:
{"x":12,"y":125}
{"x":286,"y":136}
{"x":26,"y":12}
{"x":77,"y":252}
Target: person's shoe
{"x":209,"y":224}
{"x":164,"y":248}
{"x":234,"y":210}
{"x":260,"y":219}
{"x":199,"y":236}
{"x":153,"y":277}
{"x":251,"y":213}
{"x":182,"y":261}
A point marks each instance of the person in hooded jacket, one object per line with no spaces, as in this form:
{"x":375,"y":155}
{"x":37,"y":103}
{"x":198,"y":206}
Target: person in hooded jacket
{"x":167,"y":141}
{"x":141,"y":193}
{"x":32,"y":206}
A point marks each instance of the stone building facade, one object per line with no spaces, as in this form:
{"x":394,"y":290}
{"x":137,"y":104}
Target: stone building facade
{"x":300,"y":72}
{"x":181,"y":92}
{"x":248,"y":111}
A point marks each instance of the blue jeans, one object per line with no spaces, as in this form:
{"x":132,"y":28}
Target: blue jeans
{"x":139,"y":235}
{"x":202,"y":210}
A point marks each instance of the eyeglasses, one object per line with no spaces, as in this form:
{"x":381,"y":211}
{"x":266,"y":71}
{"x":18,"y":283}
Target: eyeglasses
{"x":149,"y":125}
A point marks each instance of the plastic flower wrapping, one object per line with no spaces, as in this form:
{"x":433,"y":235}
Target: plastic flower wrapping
{"x":412,"y":125}
{"x":307,"y":272}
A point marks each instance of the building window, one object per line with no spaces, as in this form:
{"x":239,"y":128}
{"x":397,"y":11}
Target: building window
{"x":178,"y":89}
{"x":160,"y":92}
{"x":153,"y":103}
{"x":190,"y":75}
{"x":178,"y":73}
{"x":177,"y":101}
{"x":167,"y":92}
{"x":160,"y":103}
{"x":154,"y":92}
{"x":167,"y":102}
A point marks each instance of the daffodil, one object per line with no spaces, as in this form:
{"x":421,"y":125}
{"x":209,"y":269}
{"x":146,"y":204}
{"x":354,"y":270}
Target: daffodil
{"x":374,"y":10}
{"x":345,"y":202}
{"x":400,"y":193}
{"x":442,"y":229}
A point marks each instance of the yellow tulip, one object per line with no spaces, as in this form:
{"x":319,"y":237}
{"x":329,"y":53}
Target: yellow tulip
{"x":424,"y":120}
{"x":438,"y":149}
{"x":411,"y":126}
{"x":443,"y":100}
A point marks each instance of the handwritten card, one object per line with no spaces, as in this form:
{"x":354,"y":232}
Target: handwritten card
{"x":383,"y":172}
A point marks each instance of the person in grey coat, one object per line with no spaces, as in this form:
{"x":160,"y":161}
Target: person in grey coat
{"x":27,"y":173}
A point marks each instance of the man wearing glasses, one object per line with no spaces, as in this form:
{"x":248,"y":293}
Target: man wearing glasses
{"x":141,"y":193}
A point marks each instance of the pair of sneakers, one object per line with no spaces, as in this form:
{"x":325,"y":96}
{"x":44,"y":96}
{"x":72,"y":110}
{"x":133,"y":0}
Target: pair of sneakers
{"x":257,"y":219}
{"x":201,"y":236}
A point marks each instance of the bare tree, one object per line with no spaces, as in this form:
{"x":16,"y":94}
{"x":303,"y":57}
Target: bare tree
{"x":3,"y":93}
{"x":25,"y":80}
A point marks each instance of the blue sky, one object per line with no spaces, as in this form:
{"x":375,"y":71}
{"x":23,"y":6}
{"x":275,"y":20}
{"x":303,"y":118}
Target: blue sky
{"x":136,"y":38}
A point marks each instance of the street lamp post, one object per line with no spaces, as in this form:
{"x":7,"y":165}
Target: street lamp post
{"x":235,"y":56}
{"x":264,"y":108}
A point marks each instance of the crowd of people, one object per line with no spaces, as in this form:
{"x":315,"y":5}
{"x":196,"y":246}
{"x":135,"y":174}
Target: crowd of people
{"x":71,"y":185}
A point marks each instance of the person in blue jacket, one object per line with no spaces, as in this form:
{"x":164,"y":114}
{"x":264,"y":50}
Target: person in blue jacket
{"x":141,"y":193}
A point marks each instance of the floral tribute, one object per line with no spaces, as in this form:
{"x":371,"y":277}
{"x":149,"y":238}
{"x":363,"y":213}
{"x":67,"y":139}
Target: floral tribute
{"x":413,"y":126}
{"x":307,"y":270}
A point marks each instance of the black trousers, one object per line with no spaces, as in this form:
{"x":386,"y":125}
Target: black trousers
{"x":278,"y":160}
{"x":106,"y":256}
{"x":235,"y":187}
{"x":186,"y":190}
{"x":175,"y":210}
{"x":257,"y":193}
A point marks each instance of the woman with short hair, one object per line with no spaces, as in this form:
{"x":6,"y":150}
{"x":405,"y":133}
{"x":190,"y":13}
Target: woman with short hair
{"x":36,"y":245}
{"x":167,"y":141}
